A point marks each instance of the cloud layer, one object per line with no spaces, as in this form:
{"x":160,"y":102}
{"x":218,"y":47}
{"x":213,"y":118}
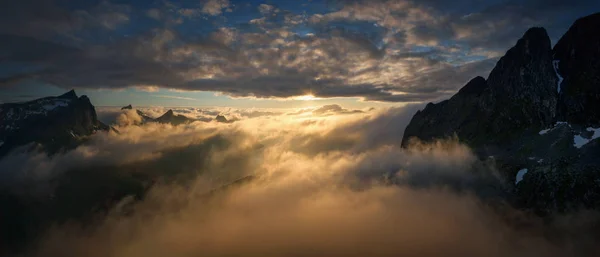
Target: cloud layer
{"x":322,"y":185}
{"x":383,"y":50}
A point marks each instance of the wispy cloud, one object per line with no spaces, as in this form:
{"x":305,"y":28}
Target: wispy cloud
{"x":176,"y":97}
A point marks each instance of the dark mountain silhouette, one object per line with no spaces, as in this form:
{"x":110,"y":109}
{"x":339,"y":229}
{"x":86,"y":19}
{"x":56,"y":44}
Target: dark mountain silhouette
{"x":537,"y":116}
{"x":145,"y":118}
{"x":168,"y":117}
{"x":52,"y":123}
{"x":221,"y":118}
{"x":577,"y":59}
{"x":174,"y":119}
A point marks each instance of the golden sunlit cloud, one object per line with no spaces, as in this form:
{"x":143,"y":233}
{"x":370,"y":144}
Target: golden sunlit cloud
{"x":147,"y":88}
{"x":306,"y":98}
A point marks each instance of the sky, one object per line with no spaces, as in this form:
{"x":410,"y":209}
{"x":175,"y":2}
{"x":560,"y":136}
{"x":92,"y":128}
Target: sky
{"x":266,"y":54}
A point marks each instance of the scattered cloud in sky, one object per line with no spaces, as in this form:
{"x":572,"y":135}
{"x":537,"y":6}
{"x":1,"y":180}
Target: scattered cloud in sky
{"x":176,"y":97}
{"x":215,"y":7}
{"x":383,"y":50}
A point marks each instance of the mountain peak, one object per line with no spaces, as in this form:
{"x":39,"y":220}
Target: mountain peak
{"x":166,"y":116}
{"x":56,"y":123}
{"x":69,"y":95}
{"x":520,"y":93}
{"x":128,"y":107}
{"x":170,"y":117}
{"x":534,"y":43}
{"x":221,"y":118}
{"x":536,"y":33}
{"x":526,"y":73}
{"x":577,"y":58}
{"x":588,"y":20}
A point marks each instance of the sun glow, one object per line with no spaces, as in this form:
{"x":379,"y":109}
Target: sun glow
{"x":305,"y":98}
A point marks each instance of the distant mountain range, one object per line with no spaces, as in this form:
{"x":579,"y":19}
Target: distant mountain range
{"x":170,"y":117}
{"x":537,"y":115}
{"x":61,"y":123}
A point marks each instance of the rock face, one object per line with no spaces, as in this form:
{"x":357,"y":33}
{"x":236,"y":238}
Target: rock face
{"x":171,"y":118}
{"x":145,"y":118}
{"x":522,"y":86}
{"x":539,"y":110}
{"x":577,"y":58}
{"x":168,"y":117}
{"x":56,"y":123}
{"x":221,"y":118}
{"x":458,"y":116}
{"x":519,"y":93}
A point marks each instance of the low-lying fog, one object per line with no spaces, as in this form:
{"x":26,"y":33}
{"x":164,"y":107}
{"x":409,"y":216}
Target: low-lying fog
{"x":325,"y":181}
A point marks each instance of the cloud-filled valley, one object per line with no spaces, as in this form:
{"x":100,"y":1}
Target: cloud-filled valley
{"x":333,"y":185}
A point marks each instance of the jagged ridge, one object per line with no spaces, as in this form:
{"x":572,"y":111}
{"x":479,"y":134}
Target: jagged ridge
{"x":55,"y":123}
{"x":532,"y":90}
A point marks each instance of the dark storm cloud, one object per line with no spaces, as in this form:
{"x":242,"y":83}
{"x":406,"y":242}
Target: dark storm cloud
{"x":47,"y":19}
{"x":396,"y":51}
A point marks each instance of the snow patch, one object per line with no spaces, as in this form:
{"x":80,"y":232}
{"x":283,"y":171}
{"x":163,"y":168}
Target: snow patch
{"x":579,"y":141}
{"x":544,"y":131}
{"x":596,"y":132}
{"x":558,"y":123}
{"x":555,"y":64}
{"x":520,"y":175}
{"x":52,"y":106}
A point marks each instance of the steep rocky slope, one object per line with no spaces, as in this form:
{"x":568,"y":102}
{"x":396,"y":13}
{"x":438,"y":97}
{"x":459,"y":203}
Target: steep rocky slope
{"x":537,"y":116}
{"x":53,"y":123}
{"x":577,"y":59}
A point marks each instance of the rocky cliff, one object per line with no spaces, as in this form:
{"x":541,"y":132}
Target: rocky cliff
{"x":52,"y":123}
{"x":577,"y":61}
{"x":537,"y":115}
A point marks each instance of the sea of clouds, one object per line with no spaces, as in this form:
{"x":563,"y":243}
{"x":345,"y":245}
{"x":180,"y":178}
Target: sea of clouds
{"x":322,"y":181}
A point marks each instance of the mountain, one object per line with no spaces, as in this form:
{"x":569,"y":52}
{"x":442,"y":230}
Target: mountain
{"x":577,"y":60}
{"x":221,"y":118}
{"x":145,"y":118}
{"x":52,"y":123}
{"x":168,"y":117}
{"x":537,"y":115}
{"x":174,"y":119}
